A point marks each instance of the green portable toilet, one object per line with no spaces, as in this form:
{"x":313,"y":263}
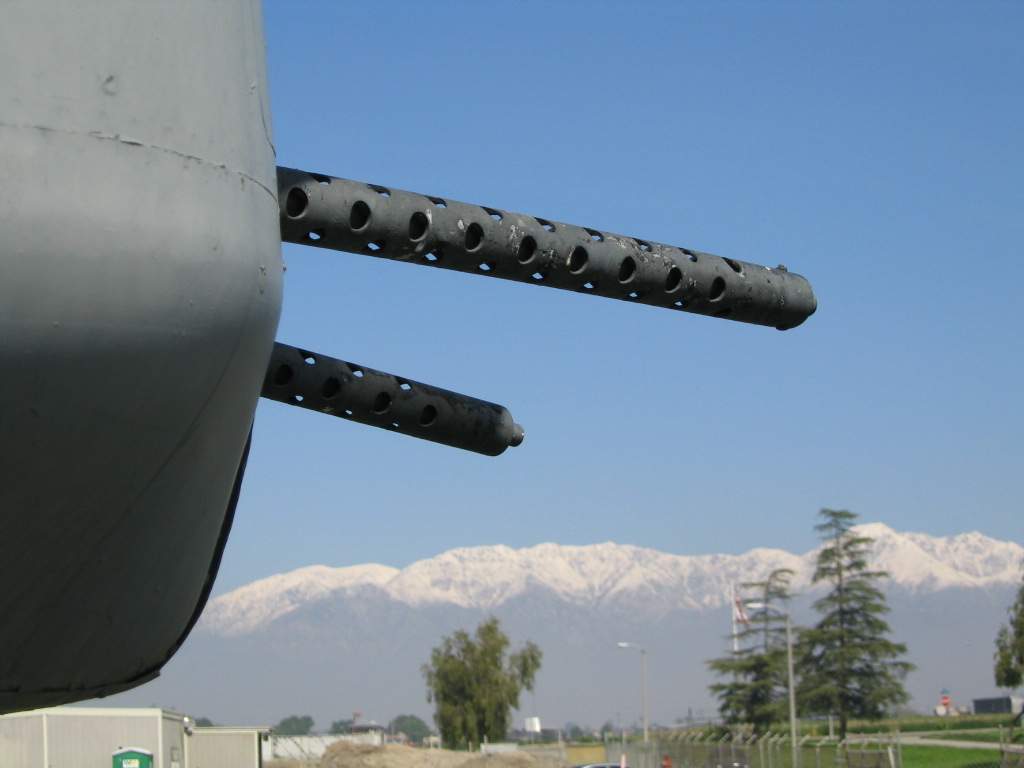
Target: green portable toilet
{"x":133,"y":757}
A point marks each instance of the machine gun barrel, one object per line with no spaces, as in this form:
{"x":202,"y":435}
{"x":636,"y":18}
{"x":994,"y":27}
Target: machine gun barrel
{"x":344,"y":215}
{"x":325,"y":384}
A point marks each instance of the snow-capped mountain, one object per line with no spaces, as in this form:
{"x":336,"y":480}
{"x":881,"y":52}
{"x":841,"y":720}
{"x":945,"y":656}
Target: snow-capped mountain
{"x":328,"y":641}
{"x":602,"y":575}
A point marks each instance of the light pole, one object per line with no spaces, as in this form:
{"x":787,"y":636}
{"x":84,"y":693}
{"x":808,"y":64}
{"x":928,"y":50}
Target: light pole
{"x":643,"y":679}
{"x":789,"y":673}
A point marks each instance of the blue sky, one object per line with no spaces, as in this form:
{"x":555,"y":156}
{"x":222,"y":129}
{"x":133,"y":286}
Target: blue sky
{"x":873,"y":147}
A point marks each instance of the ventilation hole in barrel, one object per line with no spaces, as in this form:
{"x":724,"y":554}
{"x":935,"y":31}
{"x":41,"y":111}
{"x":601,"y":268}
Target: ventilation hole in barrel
{"x":382,"y":191}
{"x":298,"y":399}
{"x":315,"y":234}
{"x":382,"y":402}
{"x":736,"y":266}
{"x":689,"y":254}
{"x":644,"y":246}
{"x":679,"y":304}
{"x":577,"y":260}
{"x":404,"y":385}
{"x":375,"y":246}
{"x":487,"y":266}
{"x":546,"y":224}
{"x":589,"y":286}
{"x":428,"y":415}
{"x":673,"y":279}
{"x":474,"y":236}
{"x":432,"y":256}
{"x":527,"y":248}
{"x":359,"y":216}
{"x":308,"y":357}
{"x":439,"y":202}
{"x":635,"y":294}
{"x":594,"y":235}
{"x":627,"y":269}
{"x":325,"y":180}
{"x":357,"y":372}
{"x":538,"y":276}
{"x":330,"y":388}
{"x":717,"y":289}
{"x":347,"y":413}
{"x":496,"y":215}
{"x":296,"y":202}
{"x":418,"y":225}
{"x":283,"y":375}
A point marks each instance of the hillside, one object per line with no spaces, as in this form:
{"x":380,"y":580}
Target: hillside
{"x":327,"y":641}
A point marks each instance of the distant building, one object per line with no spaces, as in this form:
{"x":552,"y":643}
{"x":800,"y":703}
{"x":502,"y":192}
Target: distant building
{"x":313,"y":745}
{"x":226,"y":747}
{"x":1001,"y":705}
{"x":85,"y":737}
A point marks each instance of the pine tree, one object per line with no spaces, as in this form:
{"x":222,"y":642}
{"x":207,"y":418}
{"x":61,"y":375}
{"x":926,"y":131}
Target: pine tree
{"x":1009,"y":666}
{"x":755,"y":689}
{"x":848,"y":666}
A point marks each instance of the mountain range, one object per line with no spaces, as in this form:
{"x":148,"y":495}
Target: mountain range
{"x":328,"y":641}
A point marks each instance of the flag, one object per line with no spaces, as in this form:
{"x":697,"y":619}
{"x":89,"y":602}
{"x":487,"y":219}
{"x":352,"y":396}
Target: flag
{"x":738,"y":613}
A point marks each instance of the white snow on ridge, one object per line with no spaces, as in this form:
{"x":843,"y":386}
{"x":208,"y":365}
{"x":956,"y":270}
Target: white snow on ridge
{"x":487,"y":576}
{"x":973,"y":554}
{"x":267,"y":599}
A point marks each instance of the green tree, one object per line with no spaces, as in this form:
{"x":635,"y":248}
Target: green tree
{"x":1009,"y":667}
{"x":411,"y":726}
{"x":473,"y":686}
{"x":341,"y":726}
{"x":573,"y":732}
{"x":754,"y":690}
{"x":294,"y":725}
{"x":848,"y":667}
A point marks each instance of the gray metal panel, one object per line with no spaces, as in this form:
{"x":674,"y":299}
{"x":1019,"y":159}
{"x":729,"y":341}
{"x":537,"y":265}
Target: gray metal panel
{"x":21,"y":742}
{"x":233,"y":749}
{"x":84,"y":741}
{"x":140,"y":287}
{"x":172,"y":742}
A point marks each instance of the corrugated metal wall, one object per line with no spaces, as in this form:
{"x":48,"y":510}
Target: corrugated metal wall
{"x":85,"y":737}
{"x":172,"y":741}
{"x":230,"y":749}
{"x":76,"y":741}
{"x":21,"y":742}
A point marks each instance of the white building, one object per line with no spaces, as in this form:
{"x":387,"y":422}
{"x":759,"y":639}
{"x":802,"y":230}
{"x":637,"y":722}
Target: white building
{"x":85,"y":737}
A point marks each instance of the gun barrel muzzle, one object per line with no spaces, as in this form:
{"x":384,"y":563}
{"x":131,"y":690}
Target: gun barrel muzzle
{"x":356,"y":393}
{"x":339,"y":214}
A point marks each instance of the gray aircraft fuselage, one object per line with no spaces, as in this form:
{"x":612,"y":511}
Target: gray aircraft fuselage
{"x":140,"y":289}
{"x":141,"y":218}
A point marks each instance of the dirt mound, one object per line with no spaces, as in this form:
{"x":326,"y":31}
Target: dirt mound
{"x":345,"y":754}
{"x":508,"y":760}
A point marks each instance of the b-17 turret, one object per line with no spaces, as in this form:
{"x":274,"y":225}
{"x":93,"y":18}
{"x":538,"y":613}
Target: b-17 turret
{"x":328,"y":212}
{"x":141,"y":219}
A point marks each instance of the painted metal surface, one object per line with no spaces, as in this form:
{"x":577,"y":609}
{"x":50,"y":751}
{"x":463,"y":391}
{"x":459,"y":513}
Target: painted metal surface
{"x":328,"y":212}
{"x":366,"y":396}
{"x":140,"y":288}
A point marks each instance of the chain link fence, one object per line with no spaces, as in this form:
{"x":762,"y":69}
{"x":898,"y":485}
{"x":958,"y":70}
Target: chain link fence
{"x":695,"y":750}
{"x":768,"y":751}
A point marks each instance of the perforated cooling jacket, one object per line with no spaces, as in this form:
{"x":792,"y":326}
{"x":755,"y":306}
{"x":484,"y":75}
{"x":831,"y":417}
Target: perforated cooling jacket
{"x":329,"y":212}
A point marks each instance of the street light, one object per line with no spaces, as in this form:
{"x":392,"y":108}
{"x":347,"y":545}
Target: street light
{"x":643,"y":679}
{"x":789,"y":671}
